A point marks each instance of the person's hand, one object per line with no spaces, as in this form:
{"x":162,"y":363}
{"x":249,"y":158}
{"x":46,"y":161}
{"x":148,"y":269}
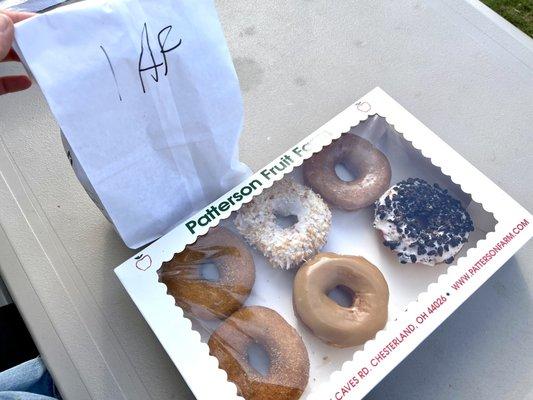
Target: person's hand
{"x":9,"y":84}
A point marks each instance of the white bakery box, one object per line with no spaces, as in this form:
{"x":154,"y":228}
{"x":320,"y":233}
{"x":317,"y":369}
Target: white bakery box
{"x":421,"y":297}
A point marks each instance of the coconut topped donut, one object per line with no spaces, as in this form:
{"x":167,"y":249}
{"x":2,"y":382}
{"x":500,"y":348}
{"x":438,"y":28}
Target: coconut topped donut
{"x":422,"y":223}
{"x":285,"y":247}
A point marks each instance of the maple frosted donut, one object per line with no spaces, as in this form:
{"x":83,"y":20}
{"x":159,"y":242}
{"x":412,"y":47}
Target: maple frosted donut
{"x":422,"y":223}
{"x":288,"y":370}
{"x":285,"y":247}
{"x":203,"y":298}
{"x":334,"y":324}
{"x":369,"y":165}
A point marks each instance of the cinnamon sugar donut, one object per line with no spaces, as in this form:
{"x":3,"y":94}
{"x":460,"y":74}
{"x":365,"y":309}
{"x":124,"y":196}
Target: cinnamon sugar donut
{"x":288,"y":371}
{"x":362,"y":159}
{"x":203,"y":298}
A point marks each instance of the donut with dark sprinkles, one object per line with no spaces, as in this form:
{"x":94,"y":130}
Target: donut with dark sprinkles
{"x":422,"y":223}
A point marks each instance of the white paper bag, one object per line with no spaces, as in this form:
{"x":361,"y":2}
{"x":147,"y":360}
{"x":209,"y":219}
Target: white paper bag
{"x":149,"y":103}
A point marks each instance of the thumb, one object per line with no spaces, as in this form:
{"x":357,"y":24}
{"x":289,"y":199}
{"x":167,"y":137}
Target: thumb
{"x":6,"y":35}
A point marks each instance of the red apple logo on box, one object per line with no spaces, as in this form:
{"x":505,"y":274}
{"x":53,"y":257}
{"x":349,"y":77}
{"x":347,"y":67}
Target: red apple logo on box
{"x":363,"y":106}
{"x":143,"y":262}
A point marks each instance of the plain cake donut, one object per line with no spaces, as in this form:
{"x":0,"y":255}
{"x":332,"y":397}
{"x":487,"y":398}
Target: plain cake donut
{"x":285,"y":247}
{"x":334,"y":324}
{"x":288,"y":370}
{"x":206,"y":299}
{"x":369,"y":165}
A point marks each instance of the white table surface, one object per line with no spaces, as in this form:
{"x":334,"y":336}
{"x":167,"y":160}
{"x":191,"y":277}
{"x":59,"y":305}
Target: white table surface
{"x":300,"y":62}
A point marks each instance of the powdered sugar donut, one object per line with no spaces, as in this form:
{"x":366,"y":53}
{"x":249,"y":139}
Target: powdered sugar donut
{"x":285,"y":247}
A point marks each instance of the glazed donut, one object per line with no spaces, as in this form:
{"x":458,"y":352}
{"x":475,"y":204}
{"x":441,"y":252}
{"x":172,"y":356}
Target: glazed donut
{"x":285,"y":247}
{"x":334,"y":324}
{"x":362,"y":159}
{"x":422,"y":223}
{"x":202,"y":298}
{"x":288,"y":371}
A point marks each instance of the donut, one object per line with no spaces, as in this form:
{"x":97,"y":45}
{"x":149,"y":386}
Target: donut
{"x":332,"y":323}
{"x":288,"y":370}
{"x":285,"y":247}
{"x":422,"y":223}
{"x":369,"y":165}
{"x":206,"y":299}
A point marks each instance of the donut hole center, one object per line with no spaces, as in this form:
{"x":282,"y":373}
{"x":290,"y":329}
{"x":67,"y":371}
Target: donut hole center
{"x":285,"y":220}
{"x":342,"y":295}
{"x":345,"y":172}
{"x":209,"y":271}
{"x":258,"y":358}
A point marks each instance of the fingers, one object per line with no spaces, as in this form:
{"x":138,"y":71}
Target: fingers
{"x":10,"y":84}
{"x":7,"y":19}
{"x":17,"y":16}
{"x":7,"y":32}
{"x":11,"y":56}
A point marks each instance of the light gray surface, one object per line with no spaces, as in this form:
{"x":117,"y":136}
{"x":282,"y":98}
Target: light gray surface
{"x":29,"y":5}
{"x":300,"y":63}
